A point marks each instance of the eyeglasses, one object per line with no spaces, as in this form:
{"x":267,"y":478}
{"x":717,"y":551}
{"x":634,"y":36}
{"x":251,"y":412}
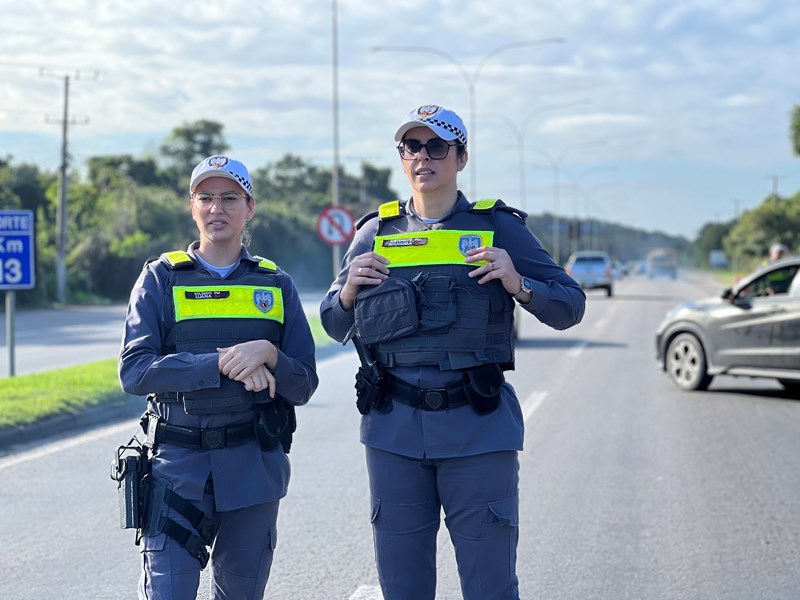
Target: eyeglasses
{"x":226,"y":200}
{"x":436,"y":148}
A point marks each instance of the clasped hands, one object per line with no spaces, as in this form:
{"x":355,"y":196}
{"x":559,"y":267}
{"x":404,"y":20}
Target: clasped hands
{"x":251,"y":363}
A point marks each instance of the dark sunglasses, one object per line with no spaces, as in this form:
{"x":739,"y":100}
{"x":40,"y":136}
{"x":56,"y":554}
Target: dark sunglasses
{"x":436,"y":148}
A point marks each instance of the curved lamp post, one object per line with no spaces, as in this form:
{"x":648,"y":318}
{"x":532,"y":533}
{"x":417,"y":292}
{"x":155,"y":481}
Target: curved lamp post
{"x":555,"y":163}
{"x":471,"y":77}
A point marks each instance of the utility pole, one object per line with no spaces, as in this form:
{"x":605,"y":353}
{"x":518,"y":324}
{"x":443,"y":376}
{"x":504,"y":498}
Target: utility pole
{"x":61,"y":214}
{"x":335,"y":178}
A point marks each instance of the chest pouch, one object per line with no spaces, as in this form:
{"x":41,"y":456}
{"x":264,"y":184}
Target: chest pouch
{"x":435,"y":301}
{"x":387,"y":311}
{"x":482,"y":386}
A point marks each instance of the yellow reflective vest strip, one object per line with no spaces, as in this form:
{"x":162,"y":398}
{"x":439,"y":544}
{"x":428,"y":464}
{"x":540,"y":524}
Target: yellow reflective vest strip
{"x":434,"y":247}
{"x":227,"y":302}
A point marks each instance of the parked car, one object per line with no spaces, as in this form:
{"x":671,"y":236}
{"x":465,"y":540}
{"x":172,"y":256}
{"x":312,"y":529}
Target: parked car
{"x":752,"y":330}
{"x":592,"y":270}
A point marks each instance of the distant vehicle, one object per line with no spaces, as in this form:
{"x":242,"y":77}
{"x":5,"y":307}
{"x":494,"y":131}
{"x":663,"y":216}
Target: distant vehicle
{"x":717,"y":259}
{"x":662,"y":262}
{"x":592,"y":270}
{"x":751,"y":330}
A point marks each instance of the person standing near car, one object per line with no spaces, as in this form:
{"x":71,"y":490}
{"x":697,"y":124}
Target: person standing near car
{"x":777,"y":251}
{"x":218,"y":341}
{"x":427,"y":292}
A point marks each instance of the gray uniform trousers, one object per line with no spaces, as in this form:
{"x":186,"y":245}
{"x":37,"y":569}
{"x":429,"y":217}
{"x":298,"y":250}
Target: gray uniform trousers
{"x":241,"y":556}
{"x":480,"y":498}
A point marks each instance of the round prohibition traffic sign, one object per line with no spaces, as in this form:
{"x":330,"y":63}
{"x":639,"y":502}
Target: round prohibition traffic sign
{"x":335,"y":225}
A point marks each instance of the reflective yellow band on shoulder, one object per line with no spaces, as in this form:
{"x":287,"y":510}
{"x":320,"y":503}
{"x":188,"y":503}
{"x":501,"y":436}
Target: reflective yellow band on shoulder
{"x":227,"y":302}
{"x":484,"y":204}
{"x":266,"y":263}
{"x":389,"y":209}
{"x":177,"y":257}
{"x":435,"y":247}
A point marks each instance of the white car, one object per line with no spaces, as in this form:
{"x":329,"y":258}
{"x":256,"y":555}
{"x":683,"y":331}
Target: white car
{"x":592,"y":270}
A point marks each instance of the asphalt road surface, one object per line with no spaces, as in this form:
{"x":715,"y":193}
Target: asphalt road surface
{"x":630,"y":487}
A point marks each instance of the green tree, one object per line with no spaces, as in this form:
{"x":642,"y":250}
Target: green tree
{"x":190,"y":143}
{"x":776,"y":219}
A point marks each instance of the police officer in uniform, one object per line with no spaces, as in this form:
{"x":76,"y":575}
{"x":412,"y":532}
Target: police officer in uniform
{"x":217,"y":340}
{"x":427,"y":292}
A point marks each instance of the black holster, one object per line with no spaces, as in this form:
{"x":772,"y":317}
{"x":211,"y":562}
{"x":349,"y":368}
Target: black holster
{"x":483,"y":385}
{"x":129,"y":469}
{"x":275,"y":424}
{"x":369,"y":390}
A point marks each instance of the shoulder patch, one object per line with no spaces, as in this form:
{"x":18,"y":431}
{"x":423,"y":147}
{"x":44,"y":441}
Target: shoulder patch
{"x":266,"y":265}
{"x":177,"y":259}
{"x":486,"y":204}
{"x":388,"y":210}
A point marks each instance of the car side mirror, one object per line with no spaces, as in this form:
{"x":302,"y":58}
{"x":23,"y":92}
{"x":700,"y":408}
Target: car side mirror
{"x":727,"y":294}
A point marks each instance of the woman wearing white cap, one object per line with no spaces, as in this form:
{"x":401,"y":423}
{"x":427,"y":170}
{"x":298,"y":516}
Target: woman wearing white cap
{"x":427,"y":293}
{"x":218,"y":341}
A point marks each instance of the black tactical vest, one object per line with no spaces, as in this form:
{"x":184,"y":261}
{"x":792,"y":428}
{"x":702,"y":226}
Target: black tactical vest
{"x":429,"y":311}
{"x":213,"y":313}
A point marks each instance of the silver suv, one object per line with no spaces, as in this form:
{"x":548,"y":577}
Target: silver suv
{"x":592,"y":270}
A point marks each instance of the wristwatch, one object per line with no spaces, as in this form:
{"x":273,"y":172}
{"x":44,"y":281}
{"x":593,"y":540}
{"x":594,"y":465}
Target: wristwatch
{"x":527,"y":288}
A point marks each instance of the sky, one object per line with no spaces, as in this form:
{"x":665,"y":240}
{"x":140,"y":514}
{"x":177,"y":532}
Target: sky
{"x":664,"y":116}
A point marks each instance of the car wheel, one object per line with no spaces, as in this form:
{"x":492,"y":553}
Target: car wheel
{"x":791,"y":386}
{"x":686,"y":363}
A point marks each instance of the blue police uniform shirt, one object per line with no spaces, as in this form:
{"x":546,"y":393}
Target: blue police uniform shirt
{"x":242,"y":475}
{"x":558,"y":301}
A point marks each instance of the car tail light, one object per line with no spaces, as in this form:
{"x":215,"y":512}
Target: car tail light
{"x":608,"y":271}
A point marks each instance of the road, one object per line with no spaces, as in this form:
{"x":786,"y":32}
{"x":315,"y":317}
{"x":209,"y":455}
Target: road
{"x":630,"y":488}
{"x":47,"y":339}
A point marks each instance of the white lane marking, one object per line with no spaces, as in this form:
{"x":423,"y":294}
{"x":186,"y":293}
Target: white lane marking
{"x":532,"y":404}
{"x":15,"y":459}
{"x":367,"y":592}
{"x":577,"y":349}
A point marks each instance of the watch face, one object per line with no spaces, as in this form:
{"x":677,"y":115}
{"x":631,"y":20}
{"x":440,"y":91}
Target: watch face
{"x":526,"y":284}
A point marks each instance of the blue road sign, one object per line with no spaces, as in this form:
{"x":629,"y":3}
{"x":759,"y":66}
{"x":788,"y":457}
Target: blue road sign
{"x":17,"y":271}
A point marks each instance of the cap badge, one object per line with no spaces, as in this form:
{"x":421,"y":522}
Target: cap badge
{"x":217,"y":162}
{"x":428,"y":110}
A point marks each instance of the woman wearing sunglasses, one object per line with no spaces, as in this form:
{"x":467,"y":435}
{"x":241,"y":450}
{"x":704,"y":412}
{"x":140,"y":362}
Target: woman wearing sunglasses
{"x":427,"y":293}
{"x":218,"y":341}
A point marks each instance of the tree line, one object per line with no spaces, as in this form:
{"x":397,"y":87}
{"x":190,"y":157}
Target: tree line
{"x":126,"y":209}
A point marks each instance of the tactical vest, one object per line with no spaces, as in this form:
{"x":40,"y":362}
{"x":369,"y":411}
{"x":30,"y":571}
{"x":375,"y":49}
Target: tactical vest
{"x":429,"y":311}
{"x":211,"y":313}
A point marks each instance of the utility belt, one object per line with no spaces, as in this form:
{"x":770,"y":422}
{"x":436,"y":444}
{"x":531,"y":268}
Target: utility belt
{"x":195,"y":438}
{"x":432,"y":399}
{"x":480,"y":387}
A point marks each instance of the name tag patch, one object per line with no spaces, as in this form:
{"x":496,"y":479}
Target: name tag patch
{"x":400,"y":242}
{"x":207,"y":295}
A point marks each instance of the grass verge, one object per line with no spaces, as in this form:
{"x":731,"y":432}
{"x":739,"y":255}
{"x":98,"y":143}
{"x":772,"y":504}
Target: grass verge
{"x":26,"y":399}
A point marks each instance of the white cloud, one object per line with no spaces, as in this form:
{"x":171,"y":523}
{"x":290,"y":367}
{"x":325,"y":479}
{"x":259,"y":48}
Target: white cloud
{"x":657,"y":75}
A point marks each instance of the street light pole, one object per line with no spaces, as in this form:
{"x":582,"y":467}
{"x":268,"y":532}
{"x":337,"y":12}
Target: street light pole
{"x":472,"y":79}
{"x":555,"y":163}
{"x":335,"y":175}
{"x":519,"y":134}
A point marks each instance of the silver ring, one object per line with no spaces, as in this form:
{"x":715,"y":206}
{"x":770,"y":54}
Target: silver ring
{"x":359,"y":270}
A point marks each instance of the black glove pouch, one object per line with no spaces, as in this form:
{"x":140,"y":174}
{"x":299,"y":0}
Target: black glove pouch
{"x":483,"y":386}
